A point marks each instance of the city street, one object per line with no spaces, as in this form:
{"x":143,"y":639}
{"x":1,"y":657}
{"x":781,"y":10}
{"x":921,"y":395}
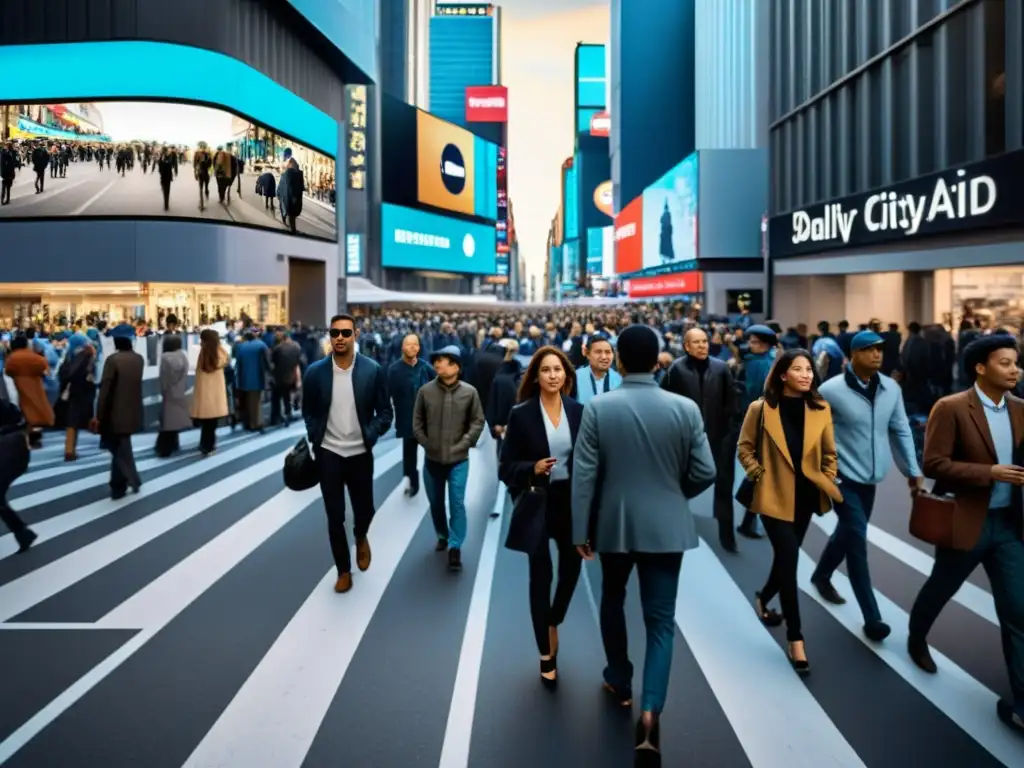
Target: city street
{"x":195,"y":625}
{"x":89,"y":191}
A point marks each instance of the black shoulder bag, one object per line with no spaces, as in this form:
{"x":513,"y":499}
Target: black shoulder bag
{"x":745,"y":493}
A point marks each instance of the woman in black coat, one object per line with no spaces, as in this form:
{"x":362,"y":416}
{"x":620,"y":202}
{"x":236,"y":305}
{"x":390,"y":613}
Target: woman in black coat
{"x":77,"y":400}
{"x":537,"y":453}
{"x":504,"y":392}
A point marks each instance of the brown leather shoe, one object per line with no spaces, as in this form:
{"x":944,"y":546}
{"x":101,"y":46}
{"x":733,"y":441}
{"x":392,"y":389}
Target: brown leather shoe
{"x":363,"y":555}
{"x":344,"y":583}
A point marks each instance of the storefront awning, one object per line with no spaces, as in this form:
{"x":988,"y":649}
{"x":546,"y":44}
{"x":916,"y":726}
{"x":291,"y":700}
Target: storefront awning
{"x":362,"y":291}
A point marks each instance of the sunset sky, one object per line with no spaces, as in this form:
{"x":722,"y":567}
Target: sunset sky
{"x":539,"y":37}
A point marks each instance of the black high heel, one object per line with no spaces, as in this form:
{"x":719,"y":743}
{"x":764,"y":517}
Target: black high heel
{"x":768,"y":616}
{"x":647,"y":752}
{"x":549,"y":672}
{"x":801,"y":666}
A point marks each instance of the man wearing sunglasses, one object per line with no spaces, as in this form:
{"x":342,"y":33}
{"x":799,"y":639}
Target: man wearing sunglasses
{"x":346,"y":408}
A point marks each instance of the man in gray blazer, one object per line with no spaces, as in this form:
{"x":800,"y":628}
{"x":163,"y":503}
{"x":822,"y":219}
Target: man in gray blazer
{"x":640,"y":456}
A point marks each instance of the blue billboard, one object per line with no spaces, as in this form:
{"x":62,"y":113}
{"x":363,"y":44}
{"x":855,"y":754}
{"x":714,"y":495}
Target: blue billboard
{"x":591,"y":84}
{"x":571,"y":205}
{"x":461,"y":55}
{"x":412,"y":239}
{"x":670,"y":216}
{"x":350,"y":25}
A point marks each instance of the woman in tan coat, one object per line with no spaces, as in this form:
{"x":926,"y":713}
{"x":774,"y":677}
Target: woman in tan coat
{"x":209,"y":392}
{"x":787,"y":447}
{"x":26,"y":367}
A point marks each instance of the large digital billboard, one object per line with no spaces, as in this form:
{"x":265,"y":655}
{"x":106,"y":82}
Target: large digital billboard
{"x":670,"y":216}
{"x":162,"y":159}
{"x":629,"y":238}
{"x":412,"y":239}
{"x":455,"y":170}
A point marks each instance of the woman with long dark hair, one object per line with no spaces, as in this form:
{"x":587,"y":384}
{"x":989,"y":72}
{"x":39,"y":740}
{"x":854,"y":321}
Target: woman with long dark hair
{"x":209,"y":392}
{"x":787,"y":447}
{"x":537,"y":453}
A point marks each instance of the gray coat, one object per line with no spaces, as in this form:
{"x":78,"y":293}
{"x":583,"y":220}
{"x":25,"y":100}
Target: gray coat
{"x":641,"y":454}
{"x":447,"y":421}
{"x":174,"y":414}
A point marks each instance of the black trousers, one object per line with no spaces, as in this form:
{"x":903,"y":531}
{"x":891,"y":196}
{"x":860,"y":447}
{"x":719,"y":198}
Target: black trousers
{"x":725,"y":462}
{"x":546,"y":612}
{"x":410,"y":450}
{"x":123,"y":473}
{"x":786,"y":539}
{"x":281,"y":394}
{"x":337,"y":475}
{"x":165,"y":188}
{"x":207,"y":435}
{"x":167,"y":443}
{"x":5,"y":190}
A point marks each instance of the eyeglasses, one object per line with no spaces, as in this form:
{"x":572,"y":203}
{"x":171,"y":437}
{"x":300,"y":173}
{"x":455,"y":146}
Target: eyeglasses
{"x":345,"y":333}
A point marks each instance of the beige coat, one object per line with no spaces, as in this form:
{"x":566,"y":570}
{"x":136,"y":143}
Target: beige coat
{"x":772,"y":467}
{"x":209,"y":392}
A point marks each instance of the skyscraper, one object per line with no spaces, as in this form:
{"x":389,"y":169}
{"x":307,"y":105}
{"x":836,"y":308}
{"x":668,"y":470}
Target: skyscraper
{"x":465,"y":50}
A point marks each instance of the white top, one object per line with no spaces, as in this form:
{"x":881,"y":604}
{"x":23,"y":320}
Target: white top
{"x":344,"y":436}
{"x":559,"y":443}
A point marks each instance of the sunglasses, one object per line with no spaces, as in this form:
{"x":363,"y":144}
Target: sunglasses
{"x":345,"y":333}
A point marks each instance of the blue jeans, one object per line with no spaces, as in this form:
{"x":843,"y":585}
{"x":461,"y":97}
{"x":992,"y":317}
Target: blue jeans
{"x":850,"y":541}
{"x":659,"y":583}
{"x":450,"y":525}
{"x":1001,"y":552}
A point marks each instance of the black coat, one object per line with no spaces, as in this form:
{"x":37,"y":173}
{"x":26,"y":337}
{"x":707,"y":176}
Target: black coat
{"x":526,"y":443}
{"x":716,"y":396}
{"x":502,"y":397}
{"x":486,"y":366}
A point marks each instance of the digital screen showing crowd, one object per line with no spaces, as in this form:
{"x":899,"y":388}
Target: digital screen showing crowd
{"x":670,"y":216}
{"x":412,"y":239}
{"x":144,"y":159}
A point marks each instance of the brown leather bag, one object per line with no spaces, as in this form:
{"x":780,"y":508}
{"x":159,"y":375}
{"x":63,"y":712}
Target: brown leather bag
{"x":933,"y":518}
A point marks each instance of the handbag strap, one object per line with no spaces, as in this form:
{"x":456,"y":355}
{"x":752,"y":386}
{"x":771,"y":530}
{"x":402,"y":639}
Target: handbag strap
{"x":760,"y":433}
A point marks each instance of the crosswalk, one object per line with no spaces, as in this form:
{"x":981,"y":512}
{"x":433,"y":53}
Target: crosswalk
{"x":194,"y":625}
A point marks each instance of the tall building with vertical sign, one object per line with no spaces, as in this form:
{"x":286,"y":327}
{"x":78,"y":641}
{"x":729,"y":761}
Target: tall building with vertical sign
{"x":465,"y":52}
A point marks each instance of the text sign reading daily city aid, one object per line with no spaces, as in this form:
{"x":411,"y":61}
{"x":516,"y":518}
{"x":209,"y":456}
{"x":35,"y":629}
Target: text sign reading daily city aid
{"x":972,"y":197}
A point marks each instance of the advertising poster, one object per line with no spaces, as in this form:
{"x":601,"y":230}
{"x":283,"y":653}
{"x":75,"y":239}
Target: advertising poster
{"x":595,"y":251}
{"x":412,"y":239}
{"x":487,"y":104}
{"x":670,"y":216}
{"x":455,"y":170}
{"x":629,"y":238}
{"x":159,"y":159}
{"x":679,"y":284}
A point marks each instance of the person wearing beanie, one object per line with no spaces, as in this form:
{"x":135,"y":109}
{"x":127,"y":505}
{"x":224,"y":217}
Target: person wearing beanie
{"x":641,"y":454}
{"x":869,"y":417}
{"x":972,"y":450}
{"x":447,"y":420}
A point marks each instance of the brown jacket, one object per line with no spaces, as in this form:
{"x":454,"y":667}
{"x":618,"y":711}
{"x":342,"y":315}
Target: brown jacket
{"x":119,"y":407}
{"x":27,"y":368}
{"x":771,"y":466}
{"x":959,"y":455}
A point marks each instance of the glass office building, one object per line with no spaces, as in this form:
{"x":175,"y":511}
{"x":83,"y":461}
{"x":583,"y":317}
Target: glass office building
{"x":464,"y":51}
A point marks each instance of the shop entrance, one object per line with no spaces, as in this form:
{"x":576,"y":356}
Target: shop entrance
{"x":306,"y":297}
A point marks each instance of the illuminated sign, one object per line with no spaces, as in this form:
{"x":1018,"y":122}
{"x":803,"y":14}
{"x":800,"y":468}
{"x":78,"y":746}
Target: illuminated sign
{"x":353,"y":254}
{"x":603,"y":198}
{"x":665,"y":285}
{"x":464,"y":9}
{"x":412,"y":239}
{"x":487,"y":104}
{"x":356,"y":152}
{"x":600,"y":124}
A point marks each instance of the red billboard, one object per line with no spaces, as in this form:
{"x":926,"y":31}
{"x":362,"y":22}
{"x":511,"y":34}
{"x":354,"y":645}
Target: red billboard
{"x":665,"y":285}
{"x":629,"y":238}
{"x":487,"y":104}
{"x":600,"y":124}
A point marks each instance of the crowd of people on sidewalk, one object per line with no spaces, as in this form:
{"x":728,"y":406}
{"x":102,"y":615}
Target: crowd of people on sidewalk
{"x":608,"y":422}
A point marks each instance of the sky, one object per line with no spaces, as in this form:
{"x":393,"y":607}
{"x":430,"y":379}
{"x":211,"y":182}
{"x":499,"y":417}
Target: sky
{"x":165,"y":123}
{"x":539,"y":38}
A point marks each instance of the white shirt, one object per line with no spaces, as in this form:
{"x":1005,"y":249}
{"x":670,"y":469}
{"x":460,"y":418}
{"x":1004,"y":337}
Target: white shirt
{"x":559,"y":443}
{"x":344,"y":436}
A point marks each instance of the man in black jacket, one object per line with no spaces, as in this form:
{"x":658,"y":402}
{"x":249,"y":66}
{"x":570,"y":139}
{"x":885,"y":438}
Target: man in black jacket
{"x":14,"y":458}
{"x":709,"y":383}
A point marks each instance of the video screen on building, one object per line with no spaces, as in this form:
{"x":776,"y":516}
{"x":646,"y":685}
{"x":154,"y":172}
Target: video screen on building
{"x":159,"y":159}
{"x":412,"y":239}
{"x":670,"y":216}
{"x":456,"y":170}
{"x":751,"y":300}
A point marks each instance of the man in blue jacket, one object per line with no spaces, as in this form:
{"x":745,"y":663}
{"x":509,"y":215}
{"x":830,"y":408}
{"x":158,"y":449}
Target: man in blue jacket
{"x":868,"y":413}
{"x":346,"y":407}
{"x":405,"y":377}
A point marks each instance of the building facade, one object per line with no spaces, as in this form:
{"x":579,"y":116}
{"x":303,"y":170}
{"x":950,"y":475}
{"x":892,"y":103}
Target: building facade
{"x":464,"y":50}
{"x":271,"y":82}
{"x":405,"y":50}
{"x":896,"y":149}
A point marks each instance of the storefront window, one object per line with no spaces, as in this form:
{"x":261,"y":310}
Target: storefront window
{"x":993,"y":297}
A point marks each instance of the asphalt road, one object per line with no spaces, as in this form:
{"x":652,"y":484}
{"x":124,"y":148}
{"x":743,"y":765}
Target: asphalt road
{"x":195,"y":625}
{"x":89,"y":191}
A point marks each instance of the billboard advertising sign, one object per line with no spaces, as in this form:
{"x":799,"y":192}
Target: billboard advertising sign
{"x":670,"y":216}
{"x":356,"y":150}
{"x":600,"y":124}
{"x":972,"y":197}
{"x":487,"y":104}
{"x":603,"y":198}
{"x":455,"y":170}
{"x":412,"y":239}
{"x":463,"y":9}
{"x":680,"y":283}
{"x":629,"y":238}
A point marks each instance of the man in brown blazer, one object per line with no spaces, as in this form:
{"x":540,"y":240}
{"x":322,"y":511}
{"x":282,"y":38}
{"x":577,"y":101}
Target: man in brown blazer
{"x":119,"y":410}
{"x":972,"y":451}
